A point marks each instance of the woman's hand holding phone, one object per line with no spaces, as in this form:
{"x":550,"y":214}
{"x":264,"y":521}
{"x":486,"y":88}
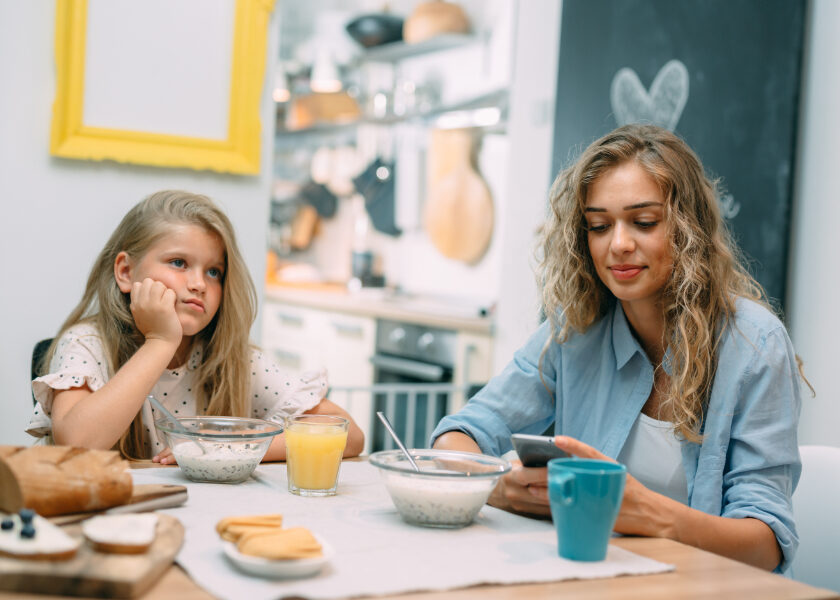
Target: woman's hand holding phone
{"x":524,"y":489}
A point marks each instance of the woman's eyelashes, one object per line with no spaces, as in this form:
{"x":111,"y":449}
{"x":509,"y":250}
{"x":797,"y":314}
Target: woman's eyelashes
{"x":601,"y":227}
{"x":646,"y":224}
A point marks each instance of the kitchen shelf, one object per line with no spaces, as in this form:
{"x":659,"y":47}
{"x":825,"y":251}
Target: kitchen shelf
{"x":397,"y":51}
{"x":487,"y":112}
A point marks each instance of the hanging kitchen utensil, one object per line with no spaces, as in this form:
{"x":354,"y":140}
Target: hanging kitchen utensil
{"x":321,"y":198}
{"x":376,"y":185}
{"x":459,"y":209}
{"x":303,"y":227}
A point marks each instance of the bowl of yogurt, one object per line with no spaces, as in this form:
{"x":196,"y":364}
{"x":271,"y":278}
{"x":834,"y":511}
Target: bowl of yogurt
{"x":218,"y":449}
{"x":449,"y":489}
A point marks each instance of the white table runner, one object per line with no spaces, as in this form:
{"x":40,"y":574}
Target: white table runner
{"x":375,"y":551}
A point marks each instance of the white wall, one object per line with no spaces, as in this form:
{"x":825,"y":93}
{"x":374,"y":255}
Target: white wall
{"x":814,"y":284}
{"x":57,"y":214}
{"x":531,"y":129}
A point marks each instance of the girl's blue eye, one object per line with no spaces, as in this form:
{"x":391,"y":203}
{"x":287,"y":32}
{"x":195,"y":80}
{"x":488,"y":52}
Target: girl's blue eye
{"x":177,"y":262}
{"x":215,"y":273}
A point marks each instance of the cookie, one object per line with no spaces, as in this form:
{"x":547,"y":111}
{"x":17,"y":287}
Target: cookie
{"x":281,"y":544}
{"x":233,"y":528}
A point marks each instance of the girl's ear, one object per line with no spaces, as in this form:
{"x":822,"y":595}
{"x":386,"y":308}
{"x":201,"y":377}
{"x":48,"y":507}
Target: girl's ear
{"x":122,"y":272}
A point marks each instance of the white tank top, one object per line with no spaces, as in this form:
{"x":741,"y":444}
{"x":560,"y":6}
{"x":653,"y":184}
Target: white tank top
{"x":652,"y":455}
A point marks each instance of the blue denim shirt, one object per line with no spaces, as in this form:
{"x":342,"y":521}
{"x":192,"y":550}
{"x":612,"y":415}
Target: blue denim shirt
{"x":594,"y":385}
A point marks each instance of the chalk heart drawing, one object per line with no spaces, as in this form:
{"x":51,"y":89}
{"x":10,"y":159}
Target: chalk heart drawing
{"x":662,"y":105}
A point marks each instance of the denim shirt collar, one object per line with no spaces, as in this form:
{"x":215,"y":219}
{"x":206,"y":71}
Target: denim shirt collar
{"x":625,"y":344}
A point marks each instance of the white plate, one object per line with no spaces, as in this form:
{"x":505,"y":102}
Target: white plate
{"x":265,"y":567}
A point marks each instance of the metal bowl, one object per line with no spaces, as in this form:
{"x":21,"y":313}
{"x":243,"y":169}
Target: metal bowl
{"x":375,"y":29}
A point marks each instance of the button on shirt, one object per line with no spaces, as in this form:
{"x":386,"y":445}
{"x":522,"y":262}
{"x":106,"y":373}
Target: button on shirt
{"x":594,"y":385}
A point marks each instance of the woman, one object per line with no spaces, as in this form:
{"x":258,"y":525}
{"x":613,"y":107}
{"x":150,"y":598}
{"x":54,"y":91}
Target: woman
{"x":659,"y":351}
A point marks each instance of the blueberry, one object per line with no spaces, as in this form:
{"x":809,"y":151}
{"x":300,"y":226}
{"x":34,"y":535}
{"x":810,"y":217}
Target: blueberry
{"x":7,"y":524}
{"x":27,"y":532}
{"x":26,"y":515}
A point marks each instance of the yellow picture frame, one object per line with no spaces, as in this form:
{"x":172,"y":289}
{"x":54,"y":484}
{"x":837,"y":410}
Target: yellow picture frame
{"x":238,"y":153}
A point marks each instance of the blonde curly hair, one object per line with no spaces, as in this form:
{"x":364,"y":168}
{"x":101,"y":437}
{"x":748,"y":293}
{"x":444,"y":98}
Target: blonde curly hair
{"x":708,"y":269}
{"x":222,"y":379}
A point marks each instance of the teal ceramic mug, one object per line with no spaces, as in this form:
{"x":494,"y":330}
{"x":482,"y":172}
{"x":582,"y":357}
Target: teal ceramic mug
{"x":585,"y":496}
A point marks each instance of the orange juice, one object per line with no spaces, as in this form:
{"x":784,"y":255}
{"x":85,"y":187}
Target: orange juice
{"x":314,"y":445}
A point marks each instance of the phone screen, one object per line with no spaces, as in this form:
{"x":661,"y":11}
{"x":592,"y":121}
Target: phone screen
{"x":535,"y":450}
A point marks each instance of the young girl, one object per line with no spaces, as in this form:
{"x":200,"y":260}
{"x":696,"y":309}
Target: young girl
{"x":166,"y":311}
{"x":659,"y":352}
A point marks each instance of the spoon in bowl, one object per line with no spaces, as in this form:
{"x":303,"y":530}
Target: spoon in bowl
{"x":173,"y":419}
{"x":397,"y":439}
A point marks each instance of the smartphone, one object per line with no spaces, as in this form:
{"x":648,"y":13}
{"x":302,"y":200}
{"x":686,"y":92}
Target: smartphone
{"x":535,"y":450}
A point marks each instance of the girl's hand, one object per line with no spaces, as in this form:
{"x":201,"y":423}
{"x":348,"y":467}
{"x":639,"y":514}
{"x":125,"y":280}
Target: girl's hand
{"x":640,"y":506}
{"x":523,"y":490}
{"x":153,"y":308}
{"x":165,"y":457}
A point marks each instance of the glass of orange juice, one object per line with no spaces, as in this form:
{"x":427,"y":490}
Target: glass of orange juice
{"x":314,"y":445}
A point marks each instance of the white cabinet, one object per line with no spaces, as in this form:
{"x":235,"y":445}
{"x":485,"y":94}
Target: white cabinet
{"x":339,"y":335}
{"x":300,"y":338}
{"x":474,"y":356}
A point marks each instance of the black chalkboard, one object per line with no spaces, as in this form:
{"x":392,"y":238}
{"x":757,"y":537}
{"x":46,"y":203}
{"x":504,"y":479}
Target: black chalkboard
{"x":739,"y":62}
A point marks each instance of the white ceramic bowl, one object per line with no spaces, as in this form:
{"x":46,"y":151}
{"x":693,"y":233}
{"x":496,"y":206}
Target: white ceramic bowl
{"x":448,"y":491}
{"x":218,"y":449}
{"x":279,"y":569}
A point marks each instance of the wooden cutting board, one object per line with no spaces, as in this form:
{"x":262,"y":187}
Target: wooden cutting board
{"x":459,"y":209}
{"x":95,"y":574}
{"x":144,"y":498}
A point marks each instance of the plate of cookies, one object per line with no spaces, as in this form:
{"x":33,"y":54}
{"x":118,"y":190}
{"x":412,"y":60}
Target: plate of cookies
{"x":259,"y":545}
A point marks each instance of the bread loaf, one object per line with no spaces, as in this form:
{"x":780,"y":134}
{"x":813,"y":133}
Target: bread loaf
{"x":58,"y":480}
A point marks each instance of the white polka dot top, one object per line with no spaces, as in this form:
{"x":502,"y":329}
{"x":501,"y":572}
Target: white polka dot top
{"x":80,"y":360}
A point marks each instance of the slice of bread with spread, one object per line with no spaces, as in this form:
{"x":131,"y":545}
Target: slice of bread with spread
{"x":29,"y":536}
{"x":121,"y":534}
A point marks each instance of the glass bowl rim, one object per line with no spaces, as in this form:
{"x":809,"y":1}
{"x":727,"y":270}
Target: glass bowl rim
{"x":376,"y":459}
{"x":165,"y":425}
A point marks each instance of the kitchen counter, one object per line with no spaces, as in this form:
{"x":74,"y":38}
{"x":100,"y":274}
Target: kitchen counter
{"x":384,"y":304}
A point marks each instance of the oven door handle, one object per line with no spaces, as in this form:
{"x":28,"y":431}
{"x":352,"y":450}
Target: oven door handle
{"x":402,"y":366}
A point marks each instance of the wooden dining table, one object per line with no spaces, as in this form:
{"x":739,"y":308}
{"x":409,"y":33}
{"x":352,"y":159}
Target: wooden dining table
{"x":697,"y":574}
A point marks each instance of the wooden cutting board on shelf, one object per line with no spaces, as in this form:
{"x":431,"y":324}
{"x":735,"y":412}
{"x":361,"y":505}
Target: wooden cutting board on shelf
{"x":96,"y":574}
{"x":459,"y":209}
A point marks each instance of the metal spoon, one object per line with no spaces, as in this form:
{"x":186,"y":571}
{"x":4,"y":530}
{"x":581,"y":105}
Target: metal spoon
{"x":174,"y":420}
{"x":394,"y":435}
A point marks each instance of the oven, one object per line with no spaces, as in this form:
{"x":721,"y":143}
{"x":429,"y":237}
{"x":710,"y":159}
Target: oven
{"x":413,"y":367}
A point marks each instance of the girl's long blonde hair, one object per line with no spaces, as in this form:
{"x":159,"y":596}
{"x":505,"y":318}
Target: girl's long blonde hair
{"x":708,"y":273}
{"x":222,"y":379}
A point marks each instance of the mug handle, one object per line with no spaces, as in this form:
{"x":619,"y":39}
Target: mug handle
{"x":565,"y":491}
